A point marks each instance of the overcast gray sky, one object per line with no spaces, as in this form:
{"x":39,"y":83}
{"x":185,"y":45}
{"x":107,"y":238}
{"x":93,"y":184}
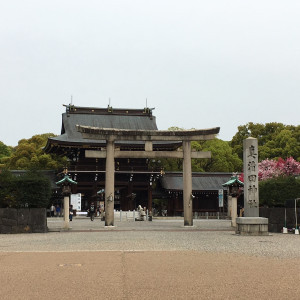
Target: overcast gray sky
{"x":201,"y":64}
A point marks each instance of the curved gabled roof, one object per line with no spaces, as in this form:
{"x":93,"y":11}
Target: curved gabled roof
{"x":69,"y":122}
{"x":136,"y":119}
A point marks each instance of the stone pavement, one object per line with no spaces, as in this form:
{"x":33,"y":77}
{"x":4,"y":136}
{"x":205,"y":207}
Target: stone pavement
{"x":144,"y":260}
{"x":160,"y":223}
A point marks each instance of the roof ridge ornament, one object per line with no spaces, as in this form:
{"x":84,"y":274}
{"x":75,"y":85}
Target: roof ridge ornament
{"x":69,"y":108}
{"x":109,"y":108}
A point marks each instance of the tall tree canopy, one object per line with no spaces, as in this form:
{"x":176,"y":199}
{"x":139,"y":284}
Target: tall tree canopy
{"x":29,"y":154}
{"x":222,"y":158}
{"x":5,"y":151}
{"x":274,"y":140}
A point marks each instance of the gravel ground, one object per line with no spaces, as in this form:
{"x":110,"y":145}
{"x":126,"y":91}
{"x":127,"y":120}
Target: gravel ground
{"x":145,"y":260}
{"x":159,"y":235}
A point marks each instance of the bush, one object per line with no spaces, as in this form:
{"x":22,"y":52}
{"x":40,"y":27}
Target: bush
{"x":275,"y":191}
{"x":32,"y":189}
{"x":7,"y":189}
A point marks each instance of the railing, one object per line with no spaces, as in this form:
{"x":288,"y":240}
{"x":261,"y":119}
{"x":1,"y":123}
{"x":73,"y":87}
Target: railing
{"x":134,"y":215}
{"x":126,"y":215}
{"x":210,"y":215}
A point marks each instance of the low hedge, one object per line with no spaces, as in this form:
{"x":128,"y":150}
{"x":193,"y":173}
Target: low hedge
{"x":32,"y":190}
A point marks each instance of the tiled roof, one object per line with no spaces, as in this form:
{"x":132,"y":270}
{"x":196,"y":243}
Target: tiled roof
{"x":200,"y":181}
{"x":102,"y":118}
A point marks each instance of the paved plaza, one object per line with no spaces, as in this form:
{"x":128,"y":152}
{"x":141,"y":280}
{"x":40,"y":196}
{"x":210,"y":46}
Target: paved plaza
{"x":161,"y":259}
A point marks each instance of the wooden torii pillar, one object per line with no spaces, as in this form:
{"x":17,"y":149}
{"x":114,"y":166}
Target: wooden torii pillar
{"x":111,"y":135}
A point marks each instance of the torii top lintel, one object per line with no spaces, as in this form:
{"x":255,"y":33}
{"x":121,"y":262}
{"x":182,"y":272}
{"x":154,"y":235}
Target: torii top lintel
{"x":112,"y":134}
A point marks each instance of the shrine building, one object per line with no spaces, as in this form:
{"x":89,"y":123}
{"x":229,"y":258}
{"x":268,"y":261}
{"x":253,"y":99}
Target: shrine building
{"x":137,"y":180}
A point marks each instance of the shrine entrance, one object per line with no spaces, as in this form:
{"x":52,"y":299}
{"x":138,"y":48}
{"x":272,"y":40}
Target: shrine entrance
{"x":147,"y":136}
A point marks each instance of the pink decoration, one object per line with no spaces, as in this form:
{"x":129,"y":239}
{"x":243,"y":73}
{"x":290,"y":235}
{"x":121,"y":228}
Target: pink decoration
{"x":270,"y":168}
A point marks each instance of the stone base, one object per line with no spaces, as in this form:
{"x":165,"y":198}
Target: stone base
{"x":109,"y":227}
{"x":252,"y":226}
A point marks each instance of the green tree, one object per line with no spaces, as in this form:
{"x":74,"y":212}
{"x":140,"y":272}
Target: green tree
{"x":29,"y":155}
{"x":32,"y":189}
{"x":4,"y":150}
{"x":222,"y":158}
{"x":275,"y":191}
{"x":274,"y":140}
{"x":168,"y":164}
{"x":8,"y":195}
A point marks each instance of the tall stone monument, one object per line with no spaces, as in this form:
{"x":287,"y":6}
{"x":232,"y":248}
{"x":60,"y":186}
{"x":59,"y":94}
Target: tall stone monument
{"x":251,"y":224}
{"x":250,"y":158}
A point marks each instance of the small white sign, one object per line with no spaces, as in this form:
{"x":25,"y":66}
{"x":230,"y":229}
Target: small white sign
{"x":76,"y":201}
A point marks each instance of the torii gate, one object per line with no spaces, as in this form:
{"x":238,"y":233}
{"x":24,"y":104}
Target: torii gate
{"x":111,"y":135}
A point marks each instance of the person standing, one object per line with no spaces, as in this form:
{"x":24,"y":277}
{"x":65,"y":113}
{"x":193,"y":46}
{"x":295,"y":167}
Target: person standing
{"x":71,"y":213}
{"x":52,"y":209}
{"x":92,"y":211}
{"x":57,"y":210}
